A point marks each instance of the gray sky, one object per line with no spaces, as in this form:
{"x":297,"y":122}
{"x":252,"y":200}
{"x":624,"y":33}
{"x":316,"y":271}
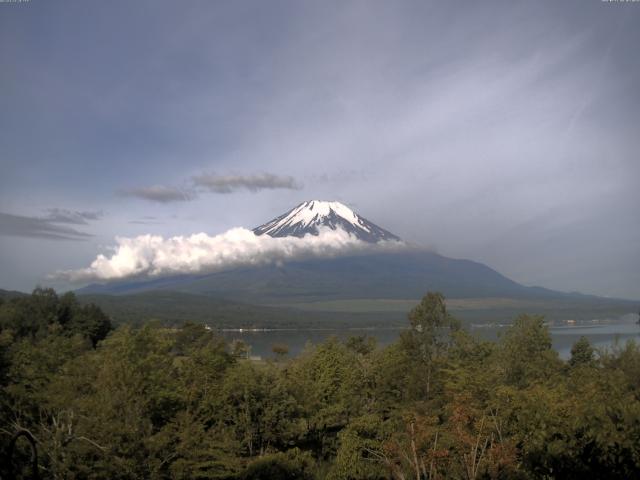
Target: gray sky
{"x":504,"y":132}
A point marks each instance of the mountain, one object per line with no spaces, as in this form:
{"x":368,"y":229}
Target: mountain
{"x":365,"y":284}
{"x":393,"y":276}
{"x":9,"y":294}
{"x":310,"y":216}
{"x":399,"y":275}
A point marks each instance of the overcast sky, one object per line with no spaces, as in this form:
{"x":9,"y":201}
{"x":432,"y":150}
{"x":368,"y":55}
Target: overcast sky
{"x":503,"y":132}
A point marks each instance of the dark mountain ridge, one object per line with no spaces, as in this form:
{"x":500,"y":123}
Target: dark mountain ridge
{"x":391,"y":276}
{"x":397,"y":275}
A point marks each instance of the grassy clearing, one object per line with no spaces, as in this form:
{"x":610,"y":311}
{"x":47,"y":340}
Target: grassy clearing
{"x":366,"y":305}
{"x":474,"y":310}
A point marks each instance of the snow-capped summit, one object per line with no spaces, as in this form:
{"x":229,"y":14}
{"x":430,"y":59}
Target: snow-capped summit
{"x":309,"y":215}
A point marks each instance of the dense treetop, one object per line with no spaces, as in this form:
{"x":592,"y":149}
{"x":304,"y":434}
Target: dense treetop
{"x":154,"y":402}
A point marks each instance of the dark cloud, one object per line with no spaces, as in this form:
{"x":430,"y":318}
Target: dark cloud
{"x":212,"y":183}
{"x":252,"y":183}
{"x":146,"y":220}
{"x":34,"y":227}
{"x":159,"y":193}
{"x":74,"y":217}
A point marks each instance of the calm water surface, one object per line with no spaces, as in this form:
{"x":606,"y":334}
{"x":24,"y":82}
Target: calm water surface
{"x":600,"y":333}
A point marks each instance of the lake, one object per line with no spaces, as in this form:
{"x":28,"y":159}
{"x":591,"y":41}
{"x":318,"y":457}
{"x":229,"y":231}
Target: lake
{"x":601,"y":333}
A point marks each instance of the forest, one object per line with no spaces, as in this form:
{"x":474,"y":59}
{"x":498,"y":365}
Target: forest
{"x":84,"y":398}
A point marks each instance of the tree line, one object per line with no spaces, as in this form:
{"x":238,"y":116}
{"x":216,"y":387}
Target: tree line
{"x":154,"y":402}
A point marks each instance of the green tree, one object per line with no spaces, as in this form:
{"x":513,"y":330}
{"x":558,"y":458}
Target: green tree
{"x":527,"y":353}
{"x":582,"y":354}
{"x":292,"y":464}
{"x":330,"y":388}
{"x":43,"y":313}
{"x":257,"y":407}
{"x":428,"y":338}
{"x":361,"y":344}
{"x":358,"y":456}
{"x":281,"y":350}
{"x":91,"y":322}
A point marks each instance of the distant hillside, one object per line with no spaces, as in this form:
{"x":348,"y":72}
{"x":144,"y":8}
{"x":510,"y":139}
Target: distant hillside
{"x":369,"y":288}
{"x":5,"y":294}
{"x":390,"y":275}
{"x":360,"y":290}
{"x":394,"y":275}
{"x":175,"y":308}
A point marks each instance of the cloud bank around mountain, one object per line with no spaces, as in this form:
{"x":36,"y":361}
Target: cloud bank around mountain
{"x":156,"y":256}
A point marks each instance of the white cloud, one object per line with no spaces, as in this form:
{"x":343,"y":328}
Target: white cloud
{"x":153,"y":255}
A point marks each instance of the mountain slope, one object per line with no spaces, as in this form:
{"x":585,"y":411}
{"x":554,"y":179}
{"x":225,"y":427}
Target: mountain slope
{"x":311,"y":215}
{"x":174,"y":308}
{"x":9,"y":294}
{"x":398,"y":275}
